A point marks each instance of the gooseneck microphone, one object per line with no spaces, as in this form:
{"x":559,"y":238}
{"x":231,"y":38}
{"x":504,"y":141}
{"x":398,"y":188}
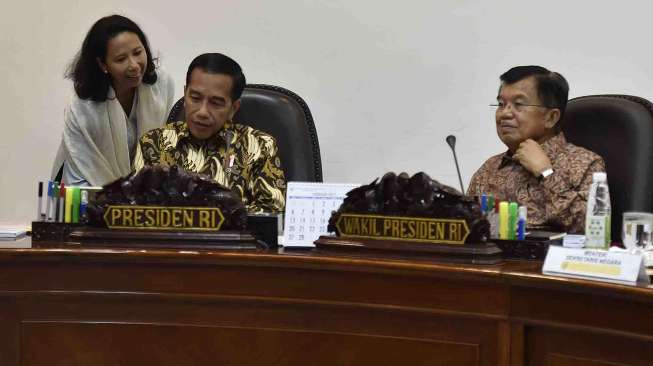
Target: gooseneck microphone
{"x":451,"y":141}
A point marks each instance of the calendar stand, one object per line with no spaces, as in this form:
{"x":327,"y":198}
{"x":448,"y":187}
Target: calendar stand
{"x":309,"y":206}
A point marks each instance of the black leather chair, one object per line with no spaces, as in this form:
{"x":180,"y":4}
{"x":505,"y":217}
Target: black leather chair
{"x":284,"y":115}
{"x":620,"y":129}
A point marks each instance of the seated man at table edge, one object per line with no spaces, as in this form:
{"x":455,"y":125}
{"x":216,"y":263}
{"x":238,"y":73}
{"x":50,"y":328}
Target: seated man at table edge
{"x":540,"y":170}
{"x":208,"y":141}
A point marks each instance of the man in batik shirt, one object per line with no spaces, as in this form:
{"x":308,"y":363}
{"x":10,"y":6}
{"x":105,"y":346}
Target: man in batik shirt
{"x":540,"y":170}
{"x":209,"y":143}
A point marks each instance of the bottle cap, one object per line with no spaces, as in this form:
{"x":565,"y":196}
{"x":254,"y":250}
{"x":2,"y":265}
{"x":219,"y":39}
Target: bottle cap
{"x":599,"y":177}
{"x":523,"y":212}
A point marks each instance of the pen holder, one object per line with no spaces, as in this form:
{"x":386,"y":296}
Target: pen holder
{"x":532,"y":250}
{"x":263,"y":227}
{"x":52,"y":231}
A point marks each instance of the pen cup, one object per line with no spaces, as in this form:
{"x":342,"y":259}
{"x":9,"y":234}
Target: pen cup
{"x":636,"y":231}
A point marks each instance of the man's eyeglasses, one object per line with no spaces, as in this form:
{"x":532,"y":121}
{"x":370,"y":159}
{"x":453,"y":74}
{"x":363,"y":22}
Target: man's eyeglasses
{"x":517,"y":106}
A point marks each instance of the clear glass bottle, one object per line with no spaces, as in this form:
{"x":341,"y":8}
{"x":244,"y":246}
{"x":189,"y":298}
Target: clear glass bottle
{"x":597,"y":217}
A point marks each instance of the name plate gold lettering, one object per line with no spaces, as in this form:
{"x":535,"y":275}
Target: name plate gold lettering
{"x":415,"y":229}
{"x":163,"y":218}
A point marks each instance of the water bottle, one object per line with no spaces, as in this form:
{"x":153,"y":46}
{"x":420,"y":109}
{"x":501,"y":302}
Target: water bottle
{"x":597,"y":217}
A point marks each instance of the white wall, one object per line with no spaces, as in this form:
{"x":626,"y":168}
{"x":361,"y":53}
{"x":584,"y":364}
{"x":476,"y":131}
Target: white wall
{"x":386,"y":81}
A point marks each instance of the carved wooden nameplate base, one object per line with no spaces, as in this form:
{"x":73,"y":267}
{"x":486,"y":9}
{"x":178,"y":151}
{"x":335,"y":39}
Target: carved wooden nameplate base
{"x":482,"y":253}
{"x":58,"y":234}
{"x":152,"y":227}
{"x":408,"y":237}
{"x":165,"y":226}
{"x":225,"y":239}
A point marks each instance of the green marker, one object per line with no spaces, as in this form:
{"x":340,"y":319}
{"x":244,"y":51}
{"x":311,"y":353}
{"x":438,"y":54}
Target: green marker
{"x":513,"y":212}
{"x":77,"y":198}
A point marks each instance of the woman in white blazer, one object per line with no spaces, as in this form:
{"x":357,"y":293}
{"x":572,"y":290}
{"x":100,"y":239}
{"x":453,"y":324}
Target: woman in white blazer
{"x":119,"y":95}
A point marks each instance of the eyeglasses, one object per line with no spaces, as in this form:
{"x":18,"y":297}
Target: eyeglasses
{"x":517,"y":106}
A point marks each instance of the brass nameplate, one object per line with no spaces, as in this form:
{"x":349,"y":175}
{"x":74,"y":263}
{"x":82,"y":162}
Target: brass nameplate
{"x":163,"y":218}
{"x":415,"y":229}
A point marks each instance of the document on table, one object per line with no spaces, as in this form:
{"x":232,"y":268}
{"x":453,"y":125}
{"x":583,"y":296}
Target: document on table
{"x":11,"y":232}
{"x":13,"y":236}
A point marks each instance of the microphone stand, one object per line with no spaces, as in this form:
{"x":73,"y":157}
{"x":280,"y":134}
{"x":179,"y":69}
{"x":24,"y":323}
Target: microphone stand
{"x":451,"y":141}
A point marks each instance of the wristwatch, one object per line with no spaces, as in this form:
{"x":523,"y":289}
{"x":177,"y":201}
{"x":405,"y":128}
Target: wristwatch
{"x":546,"y":173}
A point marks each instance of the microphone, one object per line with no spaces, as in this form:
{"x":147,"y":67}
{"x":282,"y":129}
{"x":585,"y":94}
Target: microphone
{"x":451,"y":141}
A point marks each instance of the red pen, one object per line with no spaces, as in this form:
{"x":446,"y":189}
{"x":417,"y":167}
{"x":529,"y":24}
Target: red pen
{"x":62,"y":199}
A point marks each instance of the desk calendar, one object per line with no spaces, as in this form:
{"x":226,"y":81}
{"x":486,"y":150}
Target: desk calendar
{"x":308,"y":209}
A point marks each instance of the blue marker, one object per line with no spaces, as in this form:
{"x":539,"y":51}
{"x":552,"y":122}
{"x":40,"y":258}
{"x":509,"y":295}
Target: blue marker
{"x":82,"y":206}
{"x":521,"y":224}
{"x":484,"y":204}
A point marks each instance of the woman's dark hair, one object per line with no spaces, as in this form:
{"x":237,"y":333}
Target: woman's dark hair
{"x":89,"y":80}
{"x":552,"y":88}
{"x":217,"y":63}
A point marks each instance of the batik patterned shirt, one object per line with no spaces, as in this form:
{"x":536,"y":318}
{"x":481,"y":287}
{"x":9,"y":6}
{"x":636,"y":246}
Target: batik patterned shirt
{"x":251,"y":167}
{"x":557,"y":201}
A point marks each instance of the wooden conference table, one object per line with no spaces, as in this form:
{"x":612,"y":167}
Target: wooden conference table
{"x":111,"y":306}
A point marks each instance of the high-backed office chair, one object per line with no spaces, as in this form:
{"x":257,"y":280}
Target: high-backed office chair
{"x":284,"y":115}
{"x":620,"y":129}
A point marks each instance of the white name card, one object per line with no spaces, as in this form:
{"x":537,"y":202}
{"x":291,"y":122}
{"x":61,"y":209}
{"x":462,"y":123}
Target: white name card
{"x":598,"y":265}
